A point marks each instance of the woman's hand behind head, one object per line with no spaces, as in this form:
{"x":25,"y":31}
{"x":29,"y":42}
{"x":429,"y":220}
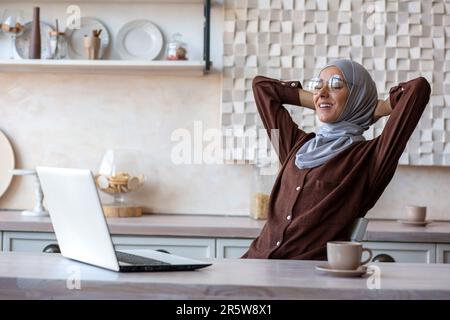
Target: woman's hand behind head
{"x":383,"y":109}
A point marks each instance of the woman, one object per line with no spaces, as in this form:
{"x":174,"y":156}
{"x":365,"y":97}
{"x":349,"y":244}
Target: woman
{"x":330,"y":178}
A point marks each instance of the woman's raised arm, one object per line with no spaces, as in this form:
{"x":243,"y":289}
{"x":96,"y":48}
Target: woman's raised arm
{"x":306,"y":99}
{"x":406,"y":105}
{"x":270,"y":95}
{"x":383,"y":109}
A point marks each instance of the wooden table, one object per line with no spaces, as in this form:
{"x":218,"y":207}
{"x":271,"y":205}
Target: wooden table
{"x":49,"y":276}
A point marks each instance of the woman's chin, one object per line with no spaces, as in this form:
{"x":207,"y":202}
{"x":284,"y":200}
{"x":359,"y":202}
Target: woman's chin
{"x":326,"y":118}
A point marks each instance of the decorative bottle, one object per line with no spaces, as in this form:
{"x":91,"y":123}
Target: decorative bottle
{"x":35,"y":36}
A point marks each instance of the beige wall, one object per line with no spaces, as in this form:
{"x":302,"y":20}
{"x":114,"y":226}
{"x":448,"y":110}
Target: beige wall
{"x":71,"y":121}
{"x":418,"y":185}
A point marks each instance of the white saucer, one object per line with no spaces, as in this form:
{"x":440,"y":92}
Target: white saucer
{"x":414,"y":223}
{"x":362,"y":270}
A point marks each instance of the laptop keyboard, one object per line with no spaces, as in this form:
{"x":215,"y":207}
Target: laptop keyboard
{"x":138,"y":260}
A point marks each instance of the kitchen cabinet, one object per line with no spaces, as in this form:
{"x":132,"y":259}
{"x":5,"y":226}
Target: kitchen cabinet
{"x":232,"y":248}
{"x":443,"y":253}
{"x":401,"y":252}
{"x":189,"y":247}
{"x":27,"y":241}
{"x":404,"y":252}
{"x":221,"y":248}
{"x":193,"y":247}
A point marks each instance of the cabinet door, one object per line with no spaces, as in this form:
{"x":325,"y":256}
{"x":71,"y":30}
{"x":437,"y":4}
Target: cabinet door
{"x":404,"y":252}
{"x":232,"y":248}
{"x":443,"y":253}
{"x":27,"y":241}
{"x":188,"y":247}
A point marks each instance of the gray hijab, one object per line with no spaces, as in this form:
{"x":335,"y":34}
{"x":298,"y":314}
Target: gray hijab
{"x":332,"y":138}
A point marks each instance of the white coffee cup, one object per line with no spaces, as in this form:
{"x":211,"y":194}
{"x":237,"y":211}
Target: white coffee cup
{"x":416,"y":213}
{"x":346,"y":255}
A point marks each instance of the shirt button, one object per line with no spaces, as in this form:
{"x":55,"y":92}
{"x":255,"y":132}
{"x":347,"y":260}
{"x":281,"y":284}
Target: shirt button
{"x":283,"y":83}
{"x":298,"y":188}
{"x":278,"y":243}
{"x":293,"y":84}
{"x":288,"y":217}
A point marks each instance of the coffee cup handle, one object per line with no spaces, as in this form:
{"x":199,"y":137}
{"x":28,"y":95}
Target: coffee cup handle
{"x":370,"y":256}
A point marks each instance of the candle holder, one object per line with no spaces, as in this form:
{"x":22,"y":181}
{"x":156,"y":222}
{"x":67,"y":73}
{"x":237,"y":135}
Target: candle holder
{"x":39,"y":209}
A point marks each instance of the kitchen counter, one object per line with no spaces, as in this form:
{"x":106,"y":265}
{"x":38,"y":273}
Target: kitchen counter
{"x":47,"y":276}
{"x":151,"y":224}
{"x":226,"y":226}
{"x":390,"y":230}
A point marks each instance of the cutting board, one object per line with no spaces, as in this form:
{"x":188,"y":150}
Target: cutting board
{"x":7,"y":162}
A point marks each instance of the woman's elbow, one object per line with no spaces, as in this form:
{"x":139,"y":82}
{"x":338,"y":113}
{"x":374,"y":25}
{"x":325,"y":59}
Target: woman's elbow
{"x":424,"y":85}
{"x":256,"y":80}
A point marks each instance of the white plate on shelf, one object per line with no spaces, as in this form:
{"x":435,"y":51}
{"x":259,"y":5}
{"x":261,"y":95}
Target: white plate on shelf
{"x":22,"y":42}
{"x":7,"y":163}
{"x":139,"y":40}
{"x":75,"y":37}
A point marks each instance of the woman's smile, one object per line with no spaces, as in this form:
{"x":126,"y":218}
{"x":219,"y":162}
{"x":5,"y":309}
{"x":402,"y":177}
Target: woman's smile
{"x":325,"y":105}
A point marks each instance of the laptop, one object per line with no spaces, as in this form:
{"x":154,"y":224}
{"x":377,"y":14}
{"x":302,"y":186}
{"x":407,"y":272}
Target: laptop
{"x":80,"y":226}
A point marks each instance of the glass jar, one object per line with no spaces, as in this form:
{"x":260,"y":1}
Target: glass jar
{"x":120,"y":173}
{"x":58,"y":45}
{"x":176,"y":49}
{"x":261,"y":186}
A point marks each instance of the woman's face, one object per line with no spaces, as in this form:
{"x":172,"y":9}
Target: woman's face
{"x":330,"y":104}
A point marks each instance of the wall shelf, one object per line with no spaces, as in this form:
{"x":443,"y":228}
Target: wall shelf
{"x":109,"y":1}
{"x":111,"y":66}
{"x":165,"y":68}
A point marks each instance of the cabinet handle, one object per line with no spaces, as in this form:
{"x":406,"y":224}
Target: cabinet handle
{"x":383,"y":258}
{"x":52,"y":248}
{"x":164,"y":251}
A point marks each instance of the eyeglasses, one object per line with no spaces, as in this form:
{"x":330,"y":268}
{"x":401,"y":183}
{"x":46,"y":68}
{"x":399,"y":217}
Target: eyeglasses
{"x":334,"y":83}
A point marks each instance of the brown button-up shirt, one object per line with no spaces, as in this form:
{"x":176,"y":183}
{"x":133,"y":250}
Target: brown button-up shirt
{"x":309,"y":207}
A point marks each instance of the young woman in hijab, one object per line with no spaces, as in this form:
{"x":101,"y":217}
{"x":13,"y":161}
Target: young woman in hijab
{"x":334,"y":176}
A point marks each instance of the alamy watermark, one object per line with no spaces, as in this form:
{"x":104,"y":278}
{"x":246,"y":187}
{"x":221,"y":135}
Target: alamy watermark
{"x":73,"y":21}
{"x":73,"y":281}
{"x":226,"y":146}
{"x":374,"y":280}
